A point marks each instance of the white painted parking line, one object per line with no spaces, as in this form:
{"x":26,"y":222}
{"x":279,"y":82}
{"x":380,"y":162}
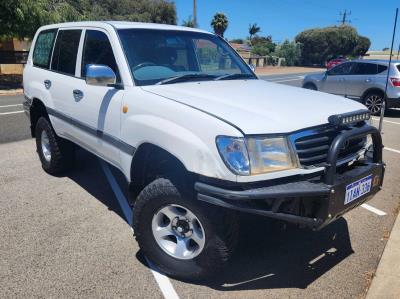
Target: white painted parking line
{"x":280,"y":78}
{"x":163,"y":281}
{"x":14,"y":105}
{"x":13,"y":112}
{"x":287,"y":80}
{"x":373,"y":210}
{"x":386,"y":121}
{"x":126,"y":209}
{"x":391,"y":150}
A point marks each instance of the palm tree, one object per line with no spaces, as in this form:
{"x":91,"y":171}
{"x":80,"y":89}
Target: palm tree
{"x":219,"y":23}
{"x":253,"y":30}
{"x":189,"y":23}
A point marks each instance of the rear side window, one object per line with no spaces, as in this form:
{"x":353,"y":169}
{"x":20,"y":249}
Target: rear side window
{"x":65,"y":51}
{"x":97,"y":50}
{"x":381,"y":68}
{"x":43,"y":47}
{"x":363,"y":68}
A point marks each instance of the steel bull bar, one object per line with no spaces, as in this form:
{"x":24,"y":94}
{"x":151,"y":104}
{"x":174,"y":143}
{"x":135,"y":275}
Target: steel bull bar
{"x":313,"y":201}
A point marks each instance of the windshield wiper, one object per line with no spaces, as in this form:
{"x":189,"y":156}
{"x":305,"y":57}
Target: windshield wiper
{"x":185,"y":77}
{"x":234,"y":76}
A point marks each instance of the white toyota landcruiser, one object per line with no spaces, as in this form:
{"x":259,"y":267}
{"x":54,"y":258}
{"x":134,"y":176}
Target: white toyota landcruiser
{"x":197,"y":135}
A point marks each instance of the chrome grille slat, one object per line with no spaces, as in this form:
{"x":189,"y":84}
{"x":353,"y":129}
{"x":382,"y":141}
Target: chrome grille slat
{"x":312,"y":146}
{"x":319,"y":158}
{"x":312,"y":141}
{"x":313,"y":149}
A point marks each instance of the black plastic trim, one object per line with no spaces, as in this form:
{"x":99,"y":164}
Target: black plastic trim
{"x":123,"y":146}
{"x":339,"y":141}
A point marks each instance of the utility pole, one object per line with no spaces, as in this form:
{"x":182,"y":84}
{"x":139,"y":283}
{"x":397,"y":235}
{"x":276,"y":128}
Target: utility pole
{"x":194,"y":13}
{"x":345,"y":15}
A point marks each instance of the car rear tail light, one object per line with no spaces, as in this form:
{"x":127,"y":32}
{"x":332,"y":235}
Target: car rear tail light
{"x":395,"y":82}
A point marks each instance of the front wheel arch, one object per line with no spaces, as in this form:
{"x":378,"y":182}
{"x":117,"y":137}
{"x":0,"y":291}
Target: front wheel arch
{"x":36,"y":111}
{"x":310,"y":85}
{"x":150,"y":162}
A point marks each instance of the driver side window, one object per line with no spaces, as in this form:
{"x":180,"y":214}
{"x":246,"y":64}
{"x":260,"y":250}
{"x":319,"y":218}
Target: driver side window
{"x":341,"y":69}
{"x":97,"y":50}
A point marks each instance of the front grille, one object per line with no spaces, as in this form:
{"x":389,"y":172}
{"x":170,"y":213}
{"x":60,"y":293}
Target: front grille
{"x":312,"y":146}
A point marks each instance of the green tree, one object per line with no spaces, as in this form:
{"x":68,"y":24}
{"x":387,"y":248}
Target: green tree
{"x":262,"y":45}
{"x":253,"y":30}
{"x":219,"y":23}
{"x":291,"y":51}
{"x":21,"y":18}
{"x":321,"y":44}
{"x":188,"y":23}
{"x":362,"y":47}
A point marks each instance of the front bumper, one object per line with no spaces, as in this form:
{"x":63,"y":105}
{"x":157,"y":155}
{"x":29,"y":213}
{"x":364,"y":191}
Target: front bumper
{"x":313,"y":202}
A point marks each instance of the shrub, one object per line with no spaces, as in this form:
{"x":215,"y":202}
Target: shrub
{"x":262,"y":45}
{"x":291,"y":51}
{"x":321,"y":44}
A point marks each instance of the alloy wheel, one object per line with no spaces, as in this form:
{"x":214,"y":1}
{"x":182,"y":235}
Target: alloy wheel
{"x":45,"y":144}
{"x":178,"y":232}
{"x":374,"y":103}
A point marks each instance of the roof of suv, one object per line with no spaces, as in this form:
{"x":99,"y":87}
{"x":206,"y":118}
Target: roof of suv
{"x":123,"y":25}
{"x":378,"y":61}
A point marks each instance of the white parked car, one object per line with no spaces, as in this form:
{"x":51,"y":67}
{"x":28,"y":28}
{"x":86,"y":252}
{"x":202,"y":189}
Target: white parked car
{"x":197,"y":135}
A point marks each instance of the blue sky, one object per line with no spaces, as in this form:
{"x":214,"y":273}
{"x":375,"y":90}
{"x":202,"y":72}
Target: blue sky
{"x":285,"y":18}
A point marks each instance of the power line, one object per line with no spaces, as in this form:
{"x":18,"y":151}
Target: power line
{"x":194,"y":14}
{"x":345,"y":20}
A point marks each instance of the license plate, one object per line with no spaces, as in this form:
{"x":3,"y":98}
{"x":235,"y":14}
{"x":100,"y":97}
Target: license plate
{"x":357,"y":189}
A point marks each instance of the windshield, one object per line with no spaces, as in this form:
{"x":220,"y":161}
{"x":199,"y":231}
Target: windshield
{"x":155,"y":56}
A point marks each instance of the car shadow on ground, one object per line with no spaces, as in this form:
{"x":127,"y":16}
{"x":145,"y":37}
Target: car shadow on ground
{"x":88,"y":174}
{"x":270,"y":255}
{"x":392,"y":113}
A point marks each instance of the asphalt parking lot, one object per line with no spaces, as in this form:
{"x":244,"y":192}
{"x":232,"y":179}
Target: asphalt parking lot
{"x":68,"y":236}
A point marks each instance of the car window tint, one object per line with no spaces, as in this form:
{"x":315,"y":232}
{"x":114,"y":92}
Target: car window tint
{"x":43,"y":46}
{"x":381,"y":68}
{"x":213,"y":58}
{"x":97,"y":50}
{"x":65,"y":51}
{"x":341,"y":69}
{"x":363,"y":68}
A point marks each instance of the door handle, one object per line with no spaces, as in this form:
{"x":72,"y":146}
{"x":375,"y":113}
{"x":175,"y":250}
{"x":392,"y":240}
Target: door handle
{"x":78,"y":94}
{"x":47,"y":84}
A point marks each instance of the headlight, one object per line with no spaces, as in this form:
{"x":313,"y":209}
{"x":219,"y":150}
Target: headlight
{"x":234,"y":153}
{"x":270,"y":154}
{"x":256,"y":155}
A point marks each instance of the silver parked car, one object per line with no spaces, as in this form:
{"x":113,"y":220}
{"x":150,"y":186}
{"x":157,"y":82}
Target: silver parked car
{"x":363,"y":80}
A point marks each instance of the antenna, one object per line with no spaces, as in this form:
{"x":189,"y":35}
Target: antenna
{"x":388,"y":70}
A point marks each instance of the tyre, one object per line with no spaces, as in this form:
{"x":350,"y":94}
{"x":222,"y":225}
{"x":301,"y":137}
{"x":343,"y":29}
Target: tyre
{"x":374,"y":102}
{"x":55,"y":154}
{"x":310,"y":86}
{"x":185,"y":238}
